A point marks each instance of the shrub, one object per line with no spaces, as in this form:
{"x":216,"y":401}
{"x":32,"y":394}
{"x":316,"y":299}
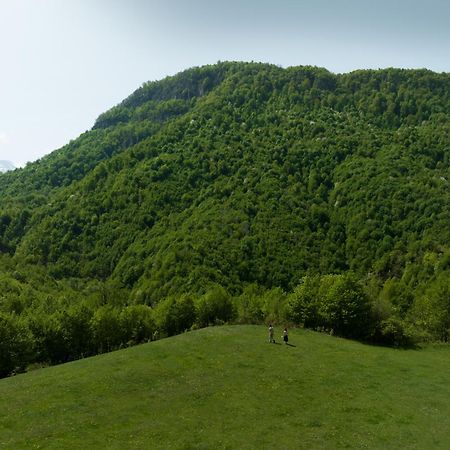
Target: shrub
{"x":107,"y":331}
{"x":431,"y":311}
{"x":249,"y":305}
{"x":175,"y":315}
{"x":49,"y":343}
{"x":394,"y":332}
{"x":303,"y":303}
{"x":137,"y":323}
{"x":214,"y":307}
{"x":274,"y":305}
{"x":15,"y":344}
{"x":344,"y":306}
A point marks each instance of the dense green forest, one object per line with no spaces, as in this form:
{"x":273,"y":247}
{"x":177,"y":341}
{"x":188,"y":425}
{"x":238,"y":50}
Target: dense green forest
{"x":235,"y":192}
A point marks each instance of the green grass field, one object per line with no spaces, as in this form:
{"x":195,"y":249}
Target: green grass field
{"x":228,"y":388}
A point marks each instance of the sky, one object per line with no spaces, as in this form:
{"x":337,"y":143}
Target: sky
{"x":64,"y":62}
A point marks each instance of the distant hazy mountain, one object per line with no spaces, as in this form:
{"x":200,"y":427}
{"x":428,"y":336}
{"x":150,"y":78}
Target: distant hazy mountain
{"x":6,"y":165}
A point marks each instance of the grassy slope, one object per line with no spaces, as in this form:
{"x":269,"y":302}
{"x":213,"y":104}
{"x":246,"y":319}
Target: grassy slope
{"x":226,"y":387}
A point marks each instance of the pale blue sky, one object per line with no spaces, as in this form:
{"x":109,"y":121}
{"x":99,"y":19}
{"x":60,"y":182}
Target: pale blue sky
{"x":63,"y":62}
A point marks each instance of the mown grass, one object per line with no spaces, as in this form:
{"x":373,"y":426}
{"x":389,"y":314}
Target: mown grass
{"x":227,"y":388}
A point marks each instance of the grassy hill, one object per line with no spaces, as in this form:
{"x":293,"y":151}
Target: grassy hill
{"x":227,"y":388}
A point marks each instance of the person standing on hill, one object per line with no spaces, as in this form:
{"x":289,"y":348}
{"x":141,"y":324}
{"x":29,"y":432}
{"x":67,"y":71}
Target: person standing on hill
{"x":285,"y":336}
{"x":271,"y":333}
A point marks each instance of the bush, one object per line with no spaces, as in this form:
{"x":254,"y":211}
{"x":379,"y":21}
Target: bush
{"x":394,"y":332}
{"x":76,"y":328}
{"x":249,"y":305}
{"x":15,"y":345}
{"x":175,"y":315}
{"x":334,"y":302}
{"x":214,"y":307}
{"x":49,"y":343}
{"x":303,"y":303}
{"x":137,"y":323}
{"x":344,"y":306}
{"x":106,"y":328}
{"x":431,"y":311}
{"x":274,"y":305}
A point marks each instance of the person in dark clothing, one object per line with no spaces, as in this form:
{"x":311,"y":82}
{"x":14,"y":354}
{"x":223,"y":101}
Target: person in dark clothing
{"x":285,"y":336}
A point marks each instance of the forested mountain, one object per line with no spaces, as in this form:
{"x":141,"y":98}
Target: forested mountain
{"x":242,"y":179}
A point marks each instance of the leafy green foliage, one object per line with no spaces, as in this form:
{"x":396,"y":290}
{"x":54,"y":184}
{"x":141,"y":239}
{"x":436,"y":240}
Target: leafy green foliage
{"x":334,"y":302}
{"x":214,"y":307}
{"x":175,"y":315}
{"x":432,"y":308}
{"x":15,"y":344}
{"x":344,"y":306}
{"x":303,"y":303}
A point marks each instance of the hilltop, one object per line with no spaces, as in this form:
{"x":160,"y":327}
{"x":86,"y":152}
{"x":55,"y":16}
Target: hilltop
{"x":240,"y":179}
{"x":227,"y":388}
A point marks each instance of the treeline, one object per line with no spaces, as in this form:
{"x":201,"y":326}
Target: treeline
{"x":99,"y":318}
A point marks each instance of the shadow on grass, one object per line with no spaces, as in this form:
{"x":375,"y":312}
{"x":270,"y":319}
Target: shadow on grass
{"x":279,"y":343}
